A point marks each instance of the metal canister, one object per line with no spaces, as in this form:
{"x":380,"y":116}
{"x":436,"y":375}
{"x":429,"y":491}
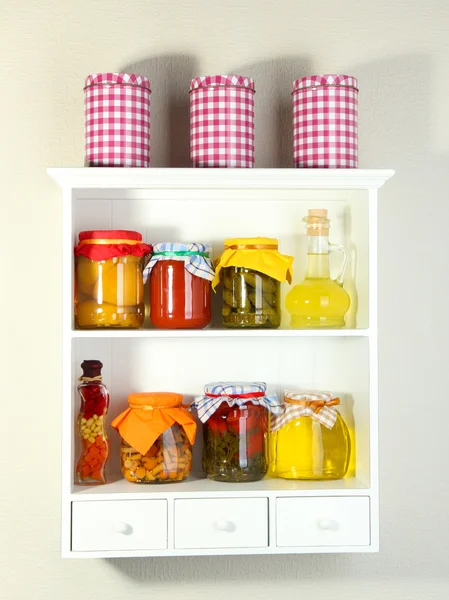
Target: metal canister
{"x":222,"y":121}
{"x":117,"y":120}
{"x":325,"y":121}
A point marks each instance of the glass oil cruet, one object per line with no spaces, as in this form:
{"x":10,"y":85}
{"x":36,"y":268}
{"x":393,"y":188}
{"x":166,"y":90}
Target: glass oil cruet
{"x":319,"y":301}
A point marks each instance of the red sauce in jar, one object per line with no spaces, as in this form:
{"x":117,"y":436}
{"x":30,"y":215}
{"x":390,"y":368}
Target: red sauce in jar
{"x":178,"y":299}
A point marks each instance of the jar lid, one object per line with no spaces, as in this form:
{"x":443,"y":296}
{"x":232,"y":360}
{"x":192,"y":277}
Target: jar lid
{"x":155,"y":399}
{"x":222,"y":80}
{"x":254,"y":243}
{"x":191,"y":247}
{"x":323,"y":80}
{"x":234,"y":394}
{"x":91,"y":368}
{"x":118,"y":79}
{"x":235,"y":390}
{"x":110,"y":234}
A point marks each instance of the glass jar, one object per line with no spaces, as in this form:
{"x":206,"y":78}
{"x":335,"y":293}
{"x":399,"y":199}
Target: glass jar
{"x":109,"y":280}
{"x":310,"y":440}
{"x":251,"y":271}
{"x":180,"y":285}
{"x":157,"y":435}
{"x":91,"y":425}
{"x":250,"y":299}
{"x":235,"y":431}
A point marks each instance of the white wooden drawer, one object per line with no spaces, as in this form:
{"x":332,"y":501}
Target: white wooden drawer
{"x":221,"y":523}
{"x":339,"y":521}
{"x":119,"y":525}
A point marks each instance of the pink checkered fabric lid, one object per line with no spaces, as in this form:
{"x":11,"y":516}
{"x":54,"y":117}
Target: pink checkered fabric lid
{"x":319,"y":406}
{"x":222,"y":80}
{"x":329,"y":79}
{"x":118,"y":78}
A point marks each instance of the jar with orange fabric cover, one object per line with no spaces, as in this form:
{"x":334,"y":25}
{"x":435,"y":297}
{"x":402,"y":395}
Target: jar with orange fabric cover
{"x":109,"y":279}
{"x":157,"y":438}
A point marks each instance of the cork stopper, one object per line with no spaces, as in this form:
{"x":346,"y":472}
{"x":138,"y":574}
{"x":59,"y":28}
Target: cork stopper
{"x":91,"y":368}
{"x":317,"y":222}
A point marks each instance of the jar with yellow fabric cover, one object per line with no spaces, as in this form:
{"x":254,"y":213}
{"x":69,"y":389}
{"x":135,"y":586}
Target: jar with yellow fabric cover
{"x":251,"y":271}
{"x":157,"y":436}
{"x":310,"y":439}
{"x":109,"y":280}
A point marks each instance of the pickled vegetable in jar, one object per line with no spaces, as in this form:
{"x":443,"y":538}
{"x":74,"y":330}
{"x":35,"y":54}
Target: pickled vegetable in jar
{"x":251,"y":271}
{"x":180,"y":285}
{"x":310,"y":439}
{"x":235,"y":431}
{"x":109,"y":280}
{"x":157,"y":435}
{"x":91,"y":425}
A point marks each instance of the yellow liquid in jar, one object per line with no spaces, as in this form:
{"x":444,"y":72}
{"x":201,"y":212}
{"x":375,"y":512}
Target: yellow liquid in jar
{"x":305,"y":449}
{"x":318,"y":301}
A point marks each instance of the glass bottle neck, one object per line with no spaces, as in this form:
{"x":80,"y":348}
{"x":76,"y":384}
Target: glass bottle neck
{"x":318,"y":257}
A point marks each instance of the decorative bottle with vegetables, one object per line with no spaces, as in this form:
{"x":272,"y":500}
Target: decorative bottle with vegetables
{"x":91,"y":424}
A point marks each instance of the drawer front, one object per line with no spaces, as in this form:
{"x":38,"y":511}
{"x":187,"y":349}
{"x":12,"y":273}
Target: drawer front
{"x":323,"y":521}
{"x":119,"y":525}
{"x":221,"y":523}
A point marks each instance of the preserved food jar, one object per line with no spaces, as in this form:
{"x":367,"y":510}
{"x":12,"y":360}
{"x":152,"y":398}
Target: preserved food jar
{"x":117,"y":120}
{"x":222,"y":121}
{"x":310,"y":439}
{"x":235,"y":417}
{"x":91,"y":425}
{"x":157,"y":436}
{"x":109,"y":280}
{"x":251,"y":270}
{"x":180,"y":285}
{"x":325,"y":121}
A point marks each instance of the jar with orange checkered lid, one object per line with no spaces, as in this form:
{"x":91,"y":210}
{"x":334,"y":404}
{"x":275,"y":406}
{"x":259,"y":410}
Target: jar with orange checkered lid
{"x":309,"y":439}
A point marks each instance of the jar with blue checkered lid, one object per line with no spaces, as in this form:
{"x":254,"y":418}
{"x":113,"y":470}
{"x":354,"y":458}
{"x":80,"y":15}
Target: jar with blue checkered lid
{"x":180,"y":285}
{"x":235,"y":429}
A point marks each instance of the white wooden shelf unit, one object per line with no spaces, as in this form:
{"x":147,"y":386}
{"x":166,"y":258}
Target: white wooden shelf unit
{"x":200,"y":517}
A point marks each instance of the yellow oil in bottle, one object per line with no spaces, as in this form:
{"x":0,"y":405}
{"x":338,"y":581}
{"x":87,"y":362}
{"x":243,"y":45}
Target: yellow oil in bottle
{"x":306,"y":449}
{"x":318,"y":301}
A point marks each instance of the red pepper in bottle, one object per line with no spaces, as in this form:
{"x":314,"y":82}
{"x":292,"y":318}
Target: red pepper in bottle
{"x":91,"y":425}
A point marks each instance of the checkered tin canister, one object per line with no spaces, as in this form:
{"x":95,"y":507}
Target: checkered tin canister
{"x":222,"y":121}
{"x":117,"y":120}
{"x":325,"y":121}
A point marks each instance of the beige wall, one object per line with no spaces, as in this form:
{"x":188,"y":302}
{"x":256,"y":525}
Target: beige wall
{"x":400,"y":52}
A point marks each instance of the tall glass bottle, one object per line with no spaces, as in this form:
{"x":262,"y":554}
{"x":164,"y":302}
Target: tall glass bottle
{"x":91,"y":425}
{"x":319,"y":301}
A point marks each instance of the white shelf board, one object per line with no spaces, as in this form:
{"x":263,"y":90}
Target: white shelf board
{"x":219,"y":179}
{"x":216,"y":333}
{"x":197,"y":486}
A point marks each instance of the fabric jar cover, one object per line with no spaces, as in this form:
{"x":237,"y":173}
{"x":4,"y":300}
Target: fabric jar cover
{"x":117,"y":120}
{"x":222,"y":121}
{"x":149,"y":415}
{"x":317,"y":405}
{"x":110,"y":243}
{"x":325,"y":121}
{"x":259,"y":254}
{"x":194,"y":255}
{"x":234,"y":394}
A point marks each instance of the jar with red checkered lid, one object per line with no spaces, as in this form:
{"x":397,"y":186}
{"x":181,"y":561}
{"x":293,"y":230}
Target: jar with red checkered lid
{"x":222,"y":121}
{"x":325,"y":121}
{"x":117,"y":120}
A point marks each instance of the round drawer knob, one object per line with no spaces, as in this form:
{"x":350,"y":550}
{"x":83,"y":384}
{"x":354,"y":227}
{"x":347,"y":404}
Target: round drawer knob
{"x":121,"y":527}
{"x":324,"y":523}
{"x":224,"y":525}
